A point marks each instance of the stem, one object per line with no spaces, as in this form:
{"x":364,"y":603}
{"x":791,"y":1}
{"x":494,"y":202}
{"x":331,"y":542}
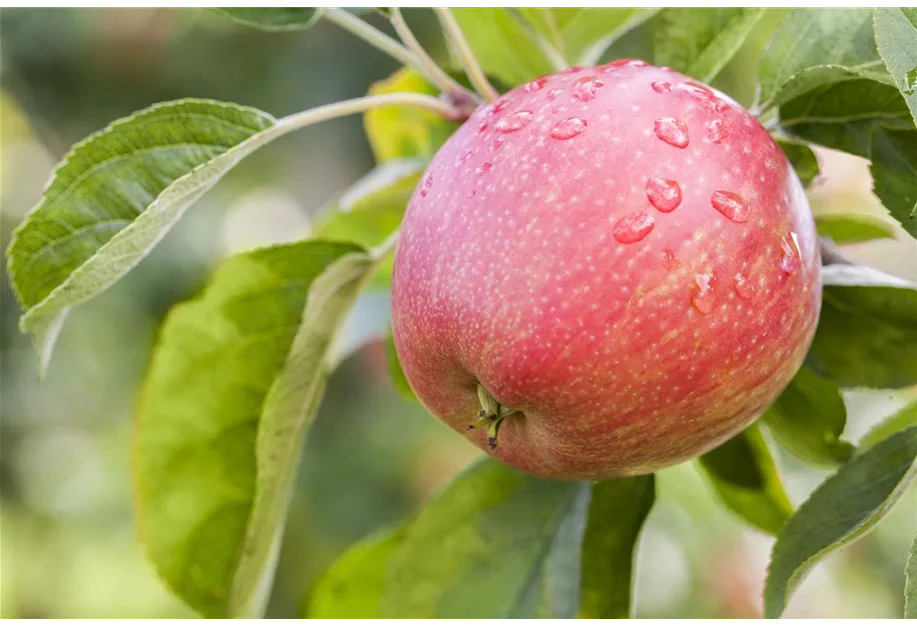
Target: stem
{"x":430,"y":68}
{"x":469,"y":62}
{"x":359,"y":105}
{"x":373,"y":36}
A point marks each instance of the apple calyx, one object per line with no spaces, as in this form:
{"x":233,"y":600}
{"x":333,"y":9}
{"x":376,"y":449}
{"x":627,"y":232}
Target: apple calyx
{"x":491,"y":416}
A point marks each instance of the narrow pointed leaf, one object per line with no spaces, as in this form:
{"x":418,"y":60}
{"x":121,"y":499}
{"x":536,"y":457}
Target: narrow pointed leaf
{"x":354,"y":585}
{"x":233,"y":383}
{"x":701,"y":42}
{"x":813,"y":47}
{"x":851,"y":228}
{"x":808,"y":419}
{"x":288,"y":18}
{"x":866,"y":336}
{"x":405,"y":132}
{"x":802,"y":159}
{"x":495,"y":543}
{"x":115,"y":195}
{"x":617,"y":512}
{"x":899,"y":421}
{"x":843,"y":508}
{"x":896,"y":37}
{"x":589,"y":32}
{"x":744,"y":475}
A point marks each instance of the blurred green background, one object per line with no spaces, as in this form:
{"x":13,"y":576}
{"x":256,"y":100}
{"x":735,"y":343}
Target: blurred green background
{"x":68,"y":542}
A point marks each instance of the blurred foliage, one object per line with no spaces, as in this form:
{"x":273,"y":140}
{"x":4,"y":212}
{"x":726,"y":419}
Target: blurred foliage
{"x":68,"y":538}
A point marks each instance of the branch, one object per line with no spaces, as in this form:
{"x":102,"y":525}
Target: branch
{"x":469,"y":62}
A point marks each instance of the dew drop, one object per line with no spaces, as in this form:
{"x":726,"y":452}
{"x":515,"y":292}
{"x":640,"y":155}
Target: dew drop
{"x":672,"y":131}
{"x":534,"y":85}
{"x":730,"y":205}
{"x":743,"y":287}
{"x":660,"y":87}
{"x":462,"y":158}
{"x":789,"y":264}
{"x":554,"y":93}
{"x":484,"y":168}
{"x":573,"y":69}
{"x":621,"y":63}
{"x":499,"y":105}
{"x":633,"y":228}
{"x":721,"y":105}
{"x":668,"y":259}
{"x":514,"y":121}
{"x":427,"y":184}
{"x":569,"y":128}
{"x":698,"y":92}
{"x":482,"y":127}
{"x":702,"y":292}
{"x":664,"y":194}
{"x":584,"y":89}
{"x":716,"y":132}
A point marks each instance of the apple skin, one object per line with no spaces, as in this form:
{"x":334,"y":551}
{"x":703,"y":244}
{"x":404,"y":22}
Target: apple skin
{"x":628,"y":338}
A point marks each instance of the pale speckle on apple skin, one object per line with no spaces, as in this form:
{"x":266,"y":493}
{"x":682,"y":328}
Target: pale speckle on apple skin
{"x":523,"y":288}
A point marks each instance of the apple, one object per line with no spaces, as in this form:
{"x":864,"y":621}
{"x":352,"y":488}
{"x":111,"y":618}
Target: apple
{"x":610,"y":270}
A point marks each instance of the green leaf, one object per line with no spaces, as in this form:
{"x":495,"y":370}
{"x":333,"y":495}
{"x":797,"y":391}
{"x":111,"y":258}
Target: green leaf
{"x":354,"y":585}
{"x":587,"y":33}
{"x":496,"y":543}
{"x":851,"y":228}
{"x":910,"y":583}
{"x":234,"y":382}
{"x":843,"y":508}
{"x":115,"y":195}
{"x":808,"y":419}
{"x":617,"y":512}
{"x":405,"y":132}
{"x":814,"y":47}
{"x":371,"y":210}
{"x":284,"y":18}
{"x":899,"y":421}
{"x":399,"y":380}
{"x":503,"y":45}
{"x":802,"y":159}
{"x":700,"y":42}
{"x":866,"y":334}
{"x":744,"y":475}
{"x":870,"y":120}
{"x":896,"y":37}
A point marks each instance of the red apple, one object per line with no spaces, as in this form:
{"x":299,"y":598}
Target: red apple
{"x":620,"y":259}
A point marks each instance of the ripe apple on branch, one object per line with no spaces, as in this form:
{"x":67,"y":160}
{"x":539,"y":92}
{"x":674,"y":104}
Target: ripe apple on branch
{"x":605,"y":269}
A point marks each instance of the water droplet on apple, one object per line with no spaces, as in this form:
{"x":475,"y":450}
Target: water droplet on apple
{"x":633,"y":228}
{"x":664,"y":194}
{"x":743,"y":288}
{"x":698,"y":92}
{"x":790,"y":262}
{"x":426,"y":185}
{"x":702,"y":296}
{"x":462,"y":158}
{"x":514,"y":121}
{"x":672,"y":131}
{"x":484,"y":168}
{"x":584,"y":89}
{"x":534,"y":85}
{"x":668,"y":259}
{"x":716,"y":132}
{"x":730,"y":205}
{"x":660,"y":87}
{"x":499,"y":105}
{"x":554,"y":93}
{"x":622,"y":63}
{"x":482,"y":127}
{"x":569,"y":128}
{"x":721,"y":105}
